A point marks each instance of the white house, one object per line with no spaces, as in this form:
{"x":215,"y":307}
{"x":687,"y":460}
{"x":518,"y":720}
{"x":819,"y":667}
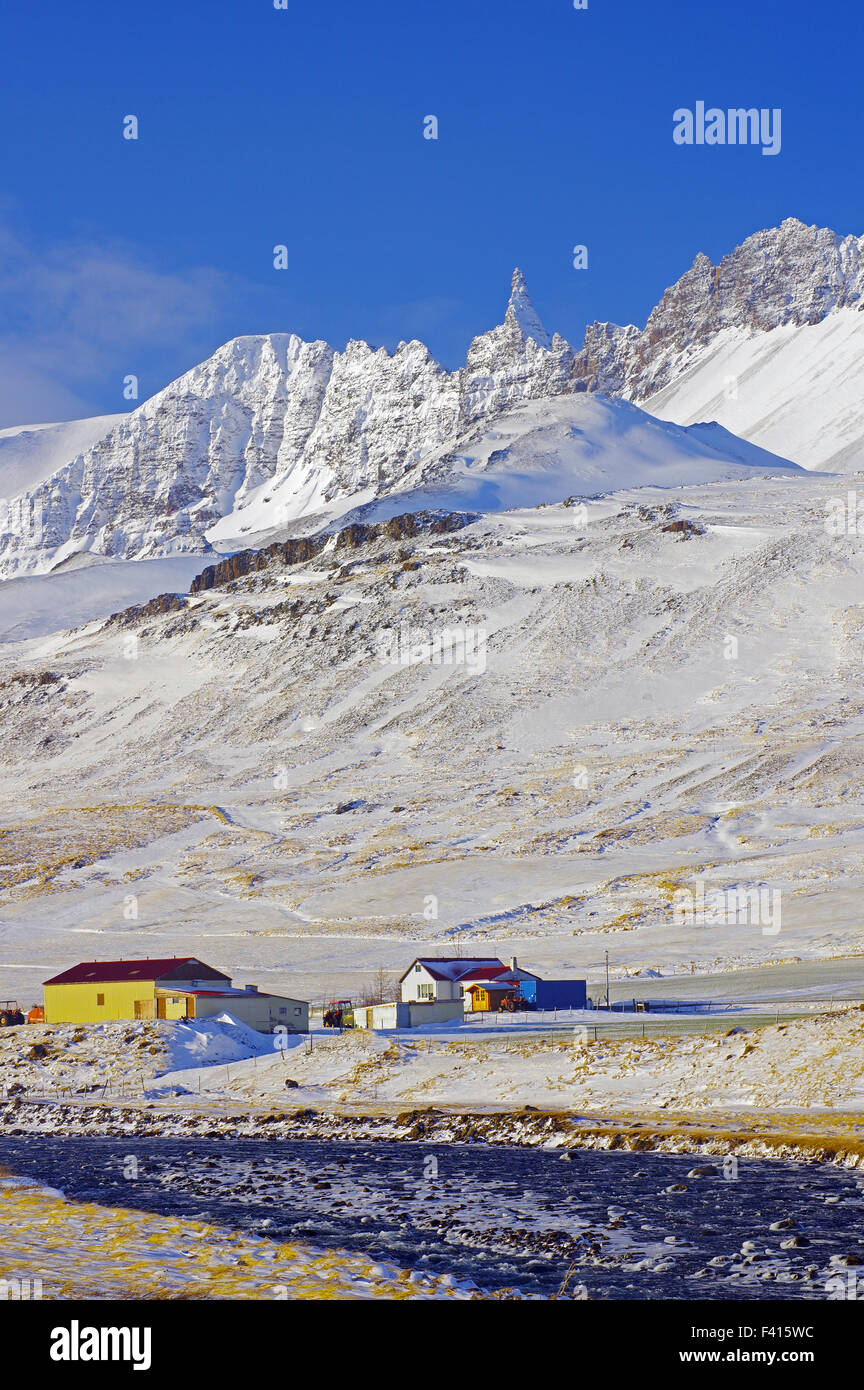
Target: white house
{"x":447,"y":977}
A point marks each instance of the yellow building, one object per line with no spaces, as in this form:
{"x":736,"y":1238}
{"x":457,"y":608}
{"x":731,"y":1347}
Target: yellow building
{"x":174,"y":987}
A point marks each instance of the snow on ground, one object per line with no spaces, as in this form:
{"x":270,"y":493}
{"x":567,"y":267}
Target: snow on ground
{"x":34,"y":605}
{"x":814,"y":1063}
{"x":91,"y":1058}
{"x":810,"y":1063}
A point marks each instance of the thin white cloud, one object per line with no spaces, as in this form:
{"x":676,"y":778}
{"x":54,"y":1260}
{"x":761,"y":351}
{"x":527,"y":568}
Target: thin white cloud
{"x":75,"y":319}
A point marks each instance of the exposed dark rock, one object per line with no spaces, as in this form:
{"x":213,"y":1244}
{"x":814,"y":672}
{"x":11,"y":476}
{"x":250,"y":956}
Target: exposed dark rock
{"x":296,"y":551}
{"x":685,"y":528}
{"x":30,"y":678}
{"x":130,"y":617}
{"x":292,"y":552}
{"x":303,"y":548}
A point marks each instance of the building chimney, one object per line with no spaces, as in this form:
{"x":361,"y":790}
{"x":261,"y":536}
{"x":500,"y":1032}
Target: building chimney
{"x":513,"y":963}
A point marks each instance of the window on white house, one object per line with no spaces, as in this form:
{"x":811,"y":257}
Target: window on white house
{"x":424,"y":992}
{"x":417,"y":969}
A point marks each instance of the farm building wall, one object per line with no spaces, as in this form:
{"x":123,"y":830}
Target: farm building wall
{"x":263,"y":1012}
{"x":99,"y":1002}
{"x":407,"y":1015}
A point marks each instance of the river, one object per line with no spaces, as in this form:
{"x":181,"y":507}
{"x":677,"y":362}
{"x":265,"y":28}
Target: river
{"x":612,"y":1225}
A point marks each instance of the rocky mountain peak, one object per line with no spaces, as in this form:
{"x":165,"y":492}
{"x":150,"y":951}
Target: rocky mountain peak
{"x":521,"y":314}
{"x":791,"y":274}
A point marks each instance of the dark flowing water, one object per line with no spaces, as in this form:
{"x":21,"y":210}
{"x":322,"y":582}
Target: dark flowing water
{"x":625,"y":1226}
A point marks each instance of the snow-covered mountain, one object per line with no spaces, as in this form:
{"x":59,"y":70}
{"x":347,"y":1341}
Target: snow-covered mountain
{"x":770,"y":343}
{"x":576,"y":445}
{"x":31,"y":453}
{"x":272,"y":435}
{"x":318,"y":424}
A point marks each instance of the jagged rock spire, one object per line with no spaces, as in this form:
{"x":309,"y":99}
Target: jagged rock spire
{"x":521,"y":313}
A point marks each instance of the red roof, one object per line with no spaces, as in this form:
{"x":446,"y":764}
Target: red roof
{"x":115,"y":971}
{"x":484,"y":972}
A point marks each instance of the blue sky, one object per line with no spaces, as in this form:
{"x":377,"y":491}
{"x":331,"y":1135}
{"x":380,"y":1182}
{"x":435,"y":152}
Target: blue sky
{"x":304,"y":127}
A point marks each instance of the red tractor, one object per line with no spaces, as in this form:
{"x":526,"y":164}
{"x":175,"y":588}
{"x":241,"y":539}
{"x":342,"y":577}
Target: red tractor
{"x":339,"y":1013}
{"x":512,"y":1003}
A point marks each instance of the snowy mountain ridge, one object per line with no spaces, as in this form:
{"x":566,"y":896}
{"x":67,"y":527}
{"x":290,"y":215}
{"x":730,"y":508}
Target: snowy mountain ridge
{"x":321,"y":423}
{"x":273,"y":435}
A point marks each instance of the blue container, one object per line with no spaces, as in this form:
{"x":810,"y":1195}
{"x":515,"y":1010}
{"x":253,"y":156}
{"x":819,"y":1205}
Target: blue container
{"x":561,"y":994}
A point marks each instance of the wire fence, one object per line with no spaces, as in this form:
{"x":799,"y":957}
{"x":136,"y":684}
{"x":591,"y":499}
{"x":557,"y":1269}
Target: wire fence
{"x":145,"y":1086}
{"x":129,"y":1089}
{"x":664,"y":1019}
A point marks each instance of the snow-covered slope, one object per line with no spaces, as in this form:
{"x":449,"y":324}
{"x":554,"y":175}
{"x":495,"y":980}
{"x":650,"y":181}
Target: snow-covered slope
{"x":798,"y":390}
{"x":530,"y":455}
{"x":33,"y":604}
{"x":661,"y":687}
{"x":770,"y":343}
{"x":31,"y":453}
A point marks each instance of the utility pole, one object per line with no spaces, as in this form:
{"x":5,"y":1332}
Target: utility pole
{"x":607,"y":982}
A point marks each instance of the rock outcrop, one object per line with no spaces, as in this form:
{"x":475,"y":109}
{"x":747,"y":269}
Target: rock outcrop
{"x":791,"y":274}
